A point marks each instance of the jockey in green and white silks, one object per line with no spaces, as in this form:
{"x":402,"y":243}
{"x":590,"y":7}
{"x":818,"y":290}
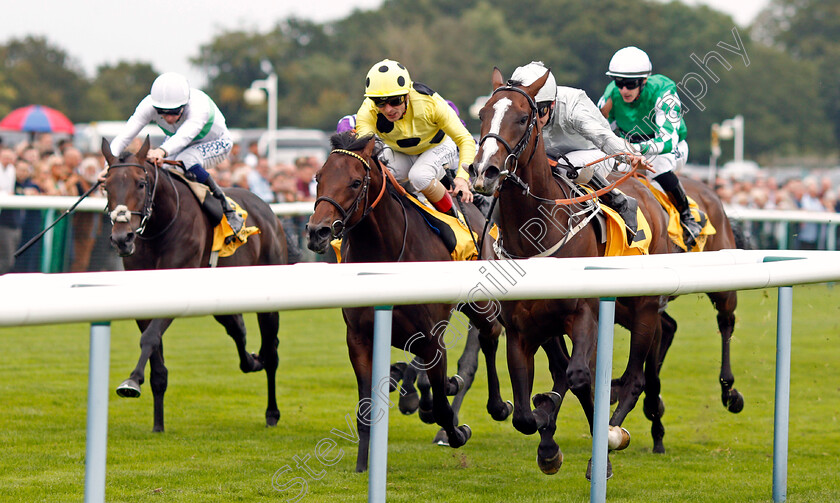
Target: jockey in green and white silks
{"x":645,"y":110}
{"x":195,"y":128}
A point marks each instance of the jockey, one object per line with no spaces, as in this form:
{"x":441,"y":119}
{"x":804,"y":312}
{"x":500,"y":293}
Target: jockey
{"x":573,"y":128}
{"x":646,"y":111}
{"x":423,"y":135}
{"x":196,"y":130}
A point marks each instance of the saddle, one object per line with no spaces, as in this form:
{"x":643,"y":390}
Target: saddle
{"x":675,"y":231}
{"x":224,"y":241}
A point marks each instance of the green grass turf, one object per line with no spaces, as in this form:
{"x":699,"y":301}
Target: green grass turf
{"x":217,"y":448}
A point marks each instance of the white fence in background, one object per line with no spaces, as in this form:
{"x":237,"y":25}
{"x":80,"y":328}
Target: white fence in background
{"x":104,"y":296}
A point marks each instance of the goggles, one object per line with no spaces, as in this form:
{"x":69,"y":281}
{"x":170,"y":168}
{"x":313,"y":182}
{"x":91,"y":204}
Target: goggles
{"x":627,"y":83}
{"x":394,"y":101}
{"x":169,"y":111}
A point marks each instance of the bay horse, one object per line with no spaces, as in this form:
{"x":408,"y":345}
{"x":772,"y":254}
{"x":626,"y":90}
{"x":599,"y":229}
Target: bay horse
{"x":512,"y":164}
{"x":158,"y":223}
{"x":724,"y":303}
{"x":356,"y":203}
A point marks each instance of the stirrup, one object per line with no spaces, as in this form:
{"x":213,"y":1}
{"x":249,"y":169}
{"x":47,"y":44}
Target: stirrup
{"x":690,"y":232}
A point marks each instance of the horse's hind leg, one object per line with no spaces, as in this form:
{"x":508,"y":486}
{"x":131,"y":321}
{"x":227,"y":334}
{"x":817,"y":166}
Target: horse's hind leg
{"x":235,"y":328}
{"x":269,"y":325}
{"x":549,"y":456}
{"x":652,"y":405}
{"x":158,"y":379}
{"x":489,"y":331}
{"x":725,"y":303}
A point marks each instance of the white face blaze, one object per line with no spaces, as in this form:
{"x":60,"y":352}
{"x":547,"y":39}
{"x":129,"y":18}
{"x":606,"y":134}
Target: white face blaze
{"x":491,"y":145}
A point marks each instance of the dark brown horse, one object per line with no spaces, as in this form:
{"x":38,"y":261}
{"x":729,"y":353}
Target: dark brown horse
{"x":158,"y":223}
{"x":511,"y":161}
{"x":357,"y":203}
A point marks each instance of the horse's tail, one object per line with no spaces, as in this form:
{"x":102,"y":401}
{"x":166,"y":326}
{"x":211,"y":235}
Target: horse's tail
{"x":742,"y":238}
{"x":292,"y":249}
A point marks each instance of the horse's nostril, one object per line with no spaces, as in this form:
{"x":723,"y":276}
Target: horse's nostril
{"x":324,"y":232}
{"x":491,"y":172}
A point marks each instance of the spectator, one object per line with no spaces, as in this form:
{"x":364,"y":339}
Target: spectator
{"x":86,"y":225}
{"x":305,"y":168}
{"x":258,"y":181}
{"x":11,"y":219}
{"x":253,"y":155}
{"x":284,"y":183}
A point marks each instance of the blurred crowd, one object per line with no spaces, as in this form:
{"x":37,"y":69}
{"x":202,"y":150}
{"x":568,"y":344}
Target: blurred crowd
{"x":811,"y":193}
{"x":47,"y":167}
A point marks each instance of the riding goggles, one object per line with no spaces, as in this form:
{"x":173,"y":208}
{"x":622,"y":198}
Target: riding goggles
{"x":394,"y":101}
{"x":627,"y":83}
{"x":169,"y":111}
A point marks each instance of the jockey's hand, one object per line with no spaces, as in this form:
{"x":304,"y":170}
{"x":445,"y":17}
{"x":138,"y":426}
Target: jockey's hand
{"x":640,"y":161}
{"x":155,"y":156}
{"x":461,"y":186}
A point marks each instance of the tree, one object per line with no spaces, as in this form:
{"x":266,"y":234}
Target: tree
{"x":117,"y":89}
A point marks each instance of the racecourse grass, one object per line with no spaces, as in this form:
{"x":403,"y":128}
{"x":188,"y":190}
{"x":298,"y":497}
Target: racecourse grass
{"x":217,"y":449}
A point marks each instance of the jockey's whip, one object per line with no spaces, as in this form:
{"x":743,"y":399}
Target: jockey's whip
{"x":66,"y":212}
{"x":448,"y":177}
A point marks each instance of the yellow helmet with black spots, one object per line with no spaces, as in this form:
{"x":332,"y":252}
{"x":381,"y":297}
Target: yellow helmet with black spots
{"x":387,"y":78}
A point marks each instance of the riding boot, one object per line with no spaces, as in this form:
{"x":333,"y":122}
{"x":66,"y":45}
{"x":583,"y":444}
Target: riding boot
{"x":233,"y":217}
{"x":440,"y":198}
{"x":676,"y":192}
{"x":623,"y":204}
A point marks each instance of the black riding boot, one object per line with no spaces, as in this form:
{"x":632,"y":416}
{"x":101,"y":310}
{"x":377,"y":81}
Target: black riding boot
{"x":672,"y":186}
{"x":233,"y":218}
{"x":623,"y":204}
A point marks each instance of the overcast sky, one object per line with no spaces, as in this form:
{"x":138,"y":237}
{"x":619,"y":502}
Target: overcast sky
{"x":96,"y":32}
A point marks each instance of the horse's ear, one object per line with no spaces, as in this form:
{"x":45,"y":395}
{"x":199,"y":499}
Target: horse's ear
{"x":368,"y":150}
{"x":141,"y":154}
{"x":497,"y":78}
{"x":534,"y":88}
{"x":106,"y":151}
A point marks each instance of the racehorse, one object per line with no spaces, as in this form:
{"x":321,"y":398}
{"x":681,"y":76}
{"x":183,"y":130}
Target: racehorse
{"x":511,"y":163}
{"x":376,"y":224}
{"x":723,"y":302}
{"x":158,"y":223}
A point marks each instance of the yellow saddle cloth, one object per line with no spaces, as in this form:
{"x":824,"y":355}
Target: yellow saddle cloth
{"x":463,"y":247}
{"x":675,"y":230}
{"x":224,"y":240}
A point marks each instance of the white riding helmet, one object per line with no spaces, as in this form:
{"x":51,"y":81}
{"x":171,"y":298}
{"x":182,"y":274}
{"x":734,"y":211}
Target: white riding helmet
{"x":529,"y":74}
{"x":170,"y":91}
{"x":630,"y":62}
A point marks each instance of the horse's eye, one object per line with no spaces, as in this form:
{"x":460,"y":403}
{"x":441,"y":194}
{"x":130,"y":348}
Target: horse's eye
{"x":356,"y":184}
{"x":523,"y":120}
{"x":141,"y":184}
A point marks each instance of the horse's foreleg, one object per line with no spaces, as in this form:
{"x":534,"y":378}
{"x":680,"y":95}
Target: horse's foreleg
{"x":235,"y":328}
{"x":361,"y":357}
{"x":725,"y":303}
{"x":444,"y":416}
{"x":549,"y":456}
{"x":520,"y":358}
{"x":642,"y":341}
{"x":269,"y":325}
{"x":158,"y":379}
{"x":489,"y":331}
{"x":150,"y":341}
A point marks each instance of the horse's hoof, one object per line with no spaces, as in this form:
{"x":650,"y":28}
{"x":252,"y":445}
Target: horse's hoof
{"x":551,"y":465}
{"x":128,"y":389}
{"x":734,"y":401}
{"x":458,"y":382}
{"x":409,"y":403}
{"x":271,"y":418}
{"x":589,"y":470}
{"x":467,"y":431}
{"x":427,"y":416}
{"x":618,"y":438}
{"x":505,"y":412}
{"x":551,"y":397}
{"x":441,"y":438}
{"x":658,"y":447}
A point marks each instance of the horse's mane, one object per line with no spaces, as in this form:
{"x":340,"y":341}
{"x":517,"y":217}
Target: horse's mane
{"x":347,"y":140}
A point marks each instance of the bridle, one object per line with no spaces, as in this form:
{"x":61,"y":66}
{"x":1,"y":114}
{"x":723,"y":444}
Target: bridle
{"x":339,"y":226}
{"x":512,"y":160}
{"x":121,"y":214}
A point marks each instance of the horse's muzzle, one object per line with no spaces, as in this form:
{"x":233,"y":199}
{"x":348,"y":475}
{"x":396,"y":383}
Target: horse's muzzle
{"x":123,"y":243}
{"x":318,"y":238}
{"x":486,"y":182}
